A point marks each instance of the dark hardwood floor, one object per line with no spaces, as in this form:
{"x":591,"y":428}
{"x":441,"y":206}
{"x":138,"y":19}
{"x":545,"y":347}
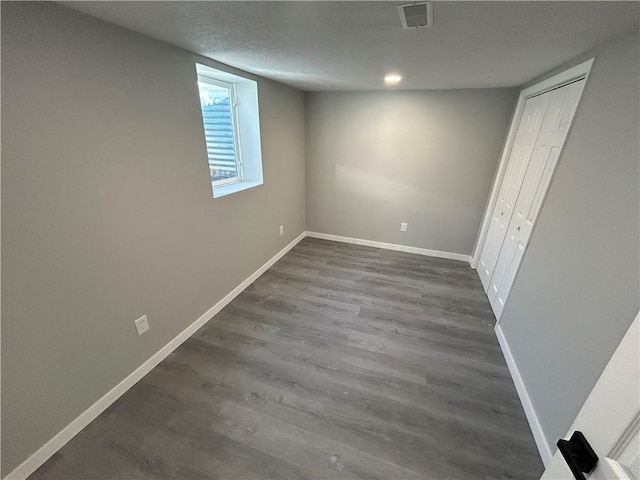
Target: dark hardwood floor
{"x":341,"y":361}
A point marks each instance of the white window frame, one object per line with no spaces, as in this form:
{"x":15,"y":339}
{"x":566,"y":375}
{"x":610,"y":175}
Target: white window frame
{"x":243,"y":95}
{"x":236,"y":132}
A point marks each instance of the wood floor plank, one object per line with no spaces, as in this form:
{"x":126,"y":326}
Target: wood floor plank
{"x":341,"y":361}
{"x":338,"y":376}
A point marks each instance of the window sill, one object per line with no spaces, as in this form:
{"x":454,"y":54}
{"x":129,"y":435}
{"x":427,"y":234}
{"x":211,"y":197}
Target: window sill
{"x":233,"y":188}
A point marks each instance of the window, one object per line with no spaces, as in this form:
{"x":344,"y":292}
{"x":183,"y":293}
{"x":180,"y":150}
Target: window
{"x":218,"y":104}
{"x":230,"y":118}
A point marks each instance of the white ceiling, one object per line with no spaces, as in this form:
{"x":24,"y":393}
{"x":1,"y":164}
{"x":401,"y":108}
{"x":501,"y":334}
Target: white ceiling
{"x":350,"y":45}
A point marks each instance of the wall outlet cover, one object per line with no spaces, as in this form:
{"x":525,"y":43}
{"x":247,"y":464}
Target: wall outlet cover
{"x":281,"y":229}
{"x":142,"y":324}
{"x":403,"y":227}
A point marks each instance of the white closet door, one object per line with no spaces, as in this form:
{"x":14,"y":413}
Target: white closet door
{"x":561,"y":107}
{"x":528,"y":130}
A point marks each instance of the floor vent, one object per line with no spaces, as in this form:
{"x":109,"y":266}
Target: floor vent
{"x":416,"y":15}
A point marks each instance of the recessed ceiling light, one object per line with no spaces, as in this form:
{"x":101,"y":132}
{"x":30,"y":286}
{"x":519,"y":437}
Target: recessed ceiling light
{"x":392,"y":78}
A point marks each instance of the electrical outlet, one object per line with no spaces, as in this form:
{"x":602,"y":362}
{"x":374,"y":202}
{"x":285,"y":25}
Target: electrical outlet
{"x":142,"y":324}
{"x":403,"y":227}
{"x":281,"y":229}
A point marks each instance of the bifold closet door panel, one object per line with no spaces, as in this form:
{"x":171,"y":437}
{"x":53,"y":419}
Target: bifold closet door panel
{"x":561,"y":107}
{"x":526,"y":136}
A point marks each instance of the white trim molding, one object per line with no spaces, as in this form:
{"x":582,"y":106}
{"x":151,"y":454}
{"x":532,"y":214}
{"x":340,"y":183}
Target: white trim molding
{"x":534,"y":424}
{"x":572,"y":74}
{"x":391,"y":246}
{"x":32,"y":463}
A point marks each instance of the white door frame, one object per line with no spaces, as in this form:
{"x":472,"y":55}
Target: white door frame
{"x":577,"y":72}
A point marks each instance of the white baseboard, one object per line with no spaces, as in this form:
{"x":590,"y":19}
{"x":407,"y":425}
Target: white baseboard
{"x":32,"y":463}
{"x":529,"y":411}
{"x":391,"y":246}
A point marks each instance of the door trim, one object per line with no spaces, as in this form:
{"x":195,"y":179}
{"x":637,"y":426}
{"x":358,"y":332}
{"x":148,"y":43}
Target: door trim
{"x":577,"y":72}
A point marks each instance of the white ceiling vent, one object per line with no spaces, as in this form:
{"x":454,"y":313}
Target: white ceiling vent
{"x":416,"y":15}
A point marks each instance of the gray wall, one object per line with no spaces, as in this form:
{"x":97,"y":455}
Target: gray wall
{"x":577,"y":290}
{"x":107,"y":210}
{"x":375,"y":159}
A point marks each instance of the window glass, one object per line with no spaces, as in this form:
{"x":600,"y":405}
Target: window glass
{"x":216,"y":102}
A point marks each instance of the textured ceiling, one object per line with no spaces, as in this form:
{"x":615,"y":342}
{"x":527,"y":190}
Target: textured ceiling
{"x":350,"y":45}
